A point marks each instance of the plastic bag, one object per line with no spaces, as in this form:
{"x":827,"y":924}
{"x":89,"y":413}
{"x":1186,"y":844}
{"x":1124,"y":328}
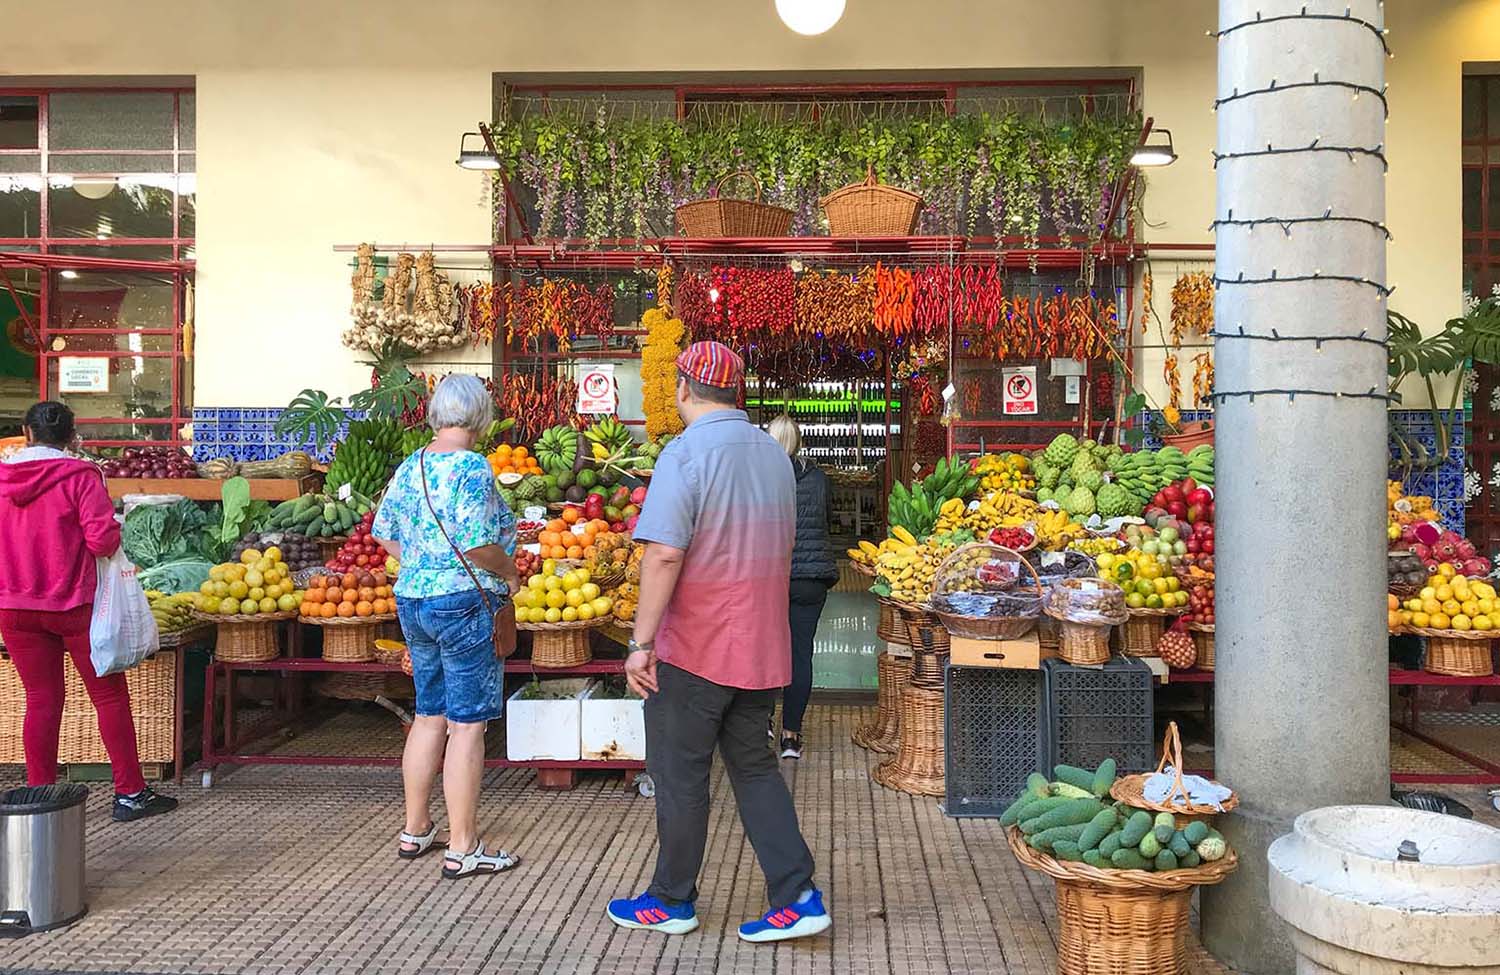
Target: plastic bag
{"x":122,"y":631}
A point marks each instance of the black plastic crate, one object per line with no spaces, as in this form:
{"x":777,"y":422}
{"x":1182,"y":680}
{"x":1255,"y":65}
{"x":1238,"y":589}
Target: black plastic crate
{"x":995,"y":736}
{"x":1098,"y":713}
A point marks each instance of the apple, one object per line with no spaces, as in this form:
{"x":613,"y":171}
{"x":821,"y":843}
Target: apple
{"x":1177,"y":509}
{"x":618,"y":527}
{"x":1199,"y":496}
{"x":1172,"y":493}
{"x":1170,"y":534}
{"x":638,"y":496}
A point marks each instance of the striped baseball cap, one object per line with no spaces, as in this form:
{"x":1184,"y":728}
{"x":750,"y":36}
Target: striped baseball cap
{"x":711,"y":364}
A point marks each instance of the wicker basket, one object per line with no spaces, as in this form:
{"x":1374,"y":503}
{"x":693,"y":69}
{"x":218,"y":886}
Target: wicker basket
{"x":930,"y":647}
{"x":1081,"y":644}
{"x":1203,"y":642}
{"x":890,"y":628}
{"x":883,"y":735}
{"x":329,"y":547}
{"x":1457,"y":653}
{"x":246,"y":639}
{"x":1121,"y":922}
{"x":871,"y":209}
{"x":1131,"y":788}
{"x":556,"y":645}
{"x":153,"y":697}
{"x":1140,"y":633}
{"x":349,"y":640}
{"x":389,"y":652}
{"x":986,"y":627}
{"x":918,"y":765}
{"x":720,"y":216}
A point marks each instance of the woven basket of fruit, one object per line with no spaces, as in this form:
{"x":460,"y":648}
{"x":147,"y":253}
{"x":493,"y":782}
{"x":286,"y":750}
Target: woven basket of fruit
{"x":348,"y":640}
{"x":987,"y":592}
{"x":1457,"y":653}
{"x":1142,"y":631}
{"x":1203,"y":642}
{"x":1130,"y":789}
{"x":246,"y":638}
{"x":392,"y":653}
{"x":555,"y":645}
{"x":1086,"y":610}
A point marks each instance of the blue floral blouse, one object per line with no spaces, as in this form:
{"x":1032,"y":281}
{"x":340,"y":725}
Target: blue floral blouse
{"x":463,"y":491}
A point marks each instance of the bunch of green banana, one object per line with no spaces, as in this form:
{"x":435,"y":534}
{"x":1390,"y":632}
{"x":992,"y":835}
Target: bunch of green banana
{"x":950,"y":479}
{"x":320,"y":515}
{"x":1200,"y":462}
{"x":414,"y":440}
{"x":365,"y":457}
{"x":172,"y":613}
{"x":911,"y":510}
{"x":557,"y":449}
{"x":608,"y":437}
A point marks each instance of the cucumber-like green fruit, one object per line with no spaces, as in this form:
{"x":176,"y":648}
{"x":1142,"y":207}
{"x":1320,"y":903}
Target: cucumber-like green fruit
{"x":1070,"y":791}
{"x":1179,"y":846}
{"x":1037,"y":786}
{"x":1075,"y":776}
{"x":1109,"y":844}
{"x":1195,"y":832}
{"x":1047,"y":837}
{"x":1164,"y":834}
{"x":1166,"y":860}
{"x":1098,"y":829}
{"x":1066,"y":850}
{"x":1035,"y":807}
{"x":1136,"y":829}
{"x":1073,"y":812}
{"x":1104,"y":777}
{"x":1150,"y":846}
{"x":1165,"y":819}
{"x":1127,"y":859}
{"x":1008,"y":818}
{"x":1191,"y":860}
{"x":1096,"y":860}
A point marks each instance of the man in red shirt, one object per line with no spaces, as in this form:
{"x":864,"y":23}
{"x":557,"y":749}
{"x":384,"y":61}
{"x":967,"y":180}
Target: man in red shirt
{"x":712,"y":651}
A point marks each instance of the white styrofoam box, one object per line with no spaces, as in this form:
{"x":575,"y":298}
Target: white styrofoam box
{"x":613,"y":730}
{"x":545,"y":729}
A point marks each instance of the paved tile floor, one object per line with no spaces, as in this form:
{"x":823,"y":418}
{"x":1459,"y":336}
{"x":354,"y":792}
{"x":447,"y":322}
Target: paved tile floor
{"x":276,"y":871}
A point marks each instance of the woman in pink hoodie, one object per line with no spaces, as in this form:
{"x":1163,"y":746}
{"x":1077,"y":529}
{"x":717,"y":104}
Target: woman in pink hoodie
{"x":56,"y":518}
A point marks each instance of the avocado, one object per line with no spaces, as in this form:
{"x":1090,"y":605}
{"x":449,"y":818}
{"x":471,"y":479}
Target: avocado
{"x":587,"y":478}
{"x":574,"y":495}
{"x":565,"y":480}
{"x":555,"y":495}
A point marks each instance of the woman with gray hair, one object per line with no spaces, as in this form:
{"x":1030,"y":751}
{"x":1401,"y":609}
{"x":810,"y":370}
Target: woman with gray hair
{"x":444,"y":519}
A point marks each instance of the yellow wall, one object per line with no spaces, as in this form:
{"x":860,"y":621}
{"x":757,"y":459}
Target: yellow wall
{"x":323,"y":123}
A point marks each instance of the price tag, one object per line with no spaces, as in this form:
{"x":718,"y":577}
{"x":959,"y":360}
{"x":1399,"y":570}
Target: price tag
{"x":534,"y":512}
{"x":535,"y":548}
{"x":1088,"y":585}
{"x":579,"y":529}
{"x":1050,"y":559}
{"x":346,"y":492}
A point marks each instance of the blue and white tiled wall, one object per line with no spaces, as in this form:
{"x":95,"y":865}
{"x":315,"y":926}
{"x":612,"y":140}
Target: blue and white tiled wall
{"x":244,"y":434}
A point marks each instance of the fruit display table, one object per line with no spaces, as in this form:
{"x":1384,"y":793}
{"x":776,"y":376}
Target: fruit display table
{"x":224,"y":745}
{"x":207,"y":489}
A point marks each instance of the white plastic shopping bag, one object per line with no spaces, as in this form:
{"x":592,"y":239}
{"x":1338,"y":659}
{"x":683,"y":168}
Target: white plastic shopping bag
{"x":122,"y":631}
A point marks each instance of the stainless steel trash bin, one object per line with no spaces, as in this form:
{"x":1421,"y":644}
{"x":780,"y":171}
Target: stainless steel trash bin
{"x":41,"y":858}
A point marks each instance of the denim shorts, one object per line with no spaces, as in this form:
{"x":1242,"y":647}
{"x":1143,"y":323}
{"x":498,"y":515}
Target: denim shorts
{"x":453,"y":663}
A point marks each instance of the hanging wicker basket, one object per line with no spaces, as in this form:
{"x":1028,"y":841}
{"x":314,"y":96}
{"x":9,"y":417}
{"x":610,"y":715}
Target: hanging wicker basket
{"x":1457,"y":653}
{"x":720,"y":216}
{"x":1121,"y":922}
{"x":1203,"y":642}
{"x":872,"y":209}
{"x":1131,"y":788}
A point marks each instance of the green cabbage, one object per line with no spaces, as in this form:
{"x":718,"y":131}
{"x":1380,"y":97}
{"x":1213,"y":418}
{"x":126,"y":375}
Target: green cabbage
{"x":175,"y":577}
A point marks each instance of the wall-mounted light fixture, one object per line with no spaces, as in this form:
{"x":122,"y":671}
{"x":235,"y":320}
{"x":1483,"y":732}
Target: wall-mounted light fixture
{"x":481,"y":156}
{"x":810,"y":17}
{"x":1156,"y":150}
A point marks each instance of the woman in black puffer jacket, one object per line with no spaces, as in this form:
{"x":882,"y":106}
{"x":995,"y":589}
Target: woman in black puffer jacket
{"x":813,"y":574}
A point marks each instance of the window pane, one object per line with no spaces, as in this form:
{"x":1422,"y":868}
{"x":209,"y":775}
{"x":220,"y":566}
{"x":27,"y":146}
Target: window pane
{"x":124,"y":252}
{"x":187,"y":121}
{"x":140,"y":387}
{"x":1492,"y":96}
{"x":109,"y":300}
{"x":1494,"y":198}
{"x":20,"y":163}
{"x":104,"y":162}
{"x":20,"y":210}
{"x":101,"y":211}
{"x":83,"y":343}
{"x":187,"y":163}
{"x":1473,"y":108}
{"x":109,"y":120}
{"x":114,"y":431}
{"x":18,"y":122}
{"x":1471,"y":198}
{"x":187,"y":215}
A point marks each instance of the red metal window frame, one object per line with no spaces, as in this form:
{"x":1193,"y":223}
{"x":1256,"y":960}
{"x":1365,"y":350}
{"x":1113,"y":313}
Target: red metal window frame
{"x":1485,"y":232}
{"x":44,"y":248}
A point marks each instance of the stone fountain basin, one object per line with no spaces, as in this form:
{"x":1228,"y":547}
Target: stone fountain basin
{"x":1336,"y":878}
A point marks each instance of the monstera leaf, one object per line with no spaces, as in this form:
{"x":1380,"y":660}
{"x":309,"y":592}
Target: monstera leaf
{"x":311,"y":416}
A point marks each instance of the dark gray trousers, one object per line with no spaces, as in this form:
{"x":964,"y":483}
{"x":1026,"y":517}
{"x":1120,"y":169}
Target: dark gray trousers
{"x":685,"y":720}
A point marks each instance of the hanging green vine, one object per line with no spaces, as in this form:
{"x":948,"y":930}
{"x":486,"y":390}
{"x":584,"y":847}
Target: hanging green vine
{"x":595,"y":173}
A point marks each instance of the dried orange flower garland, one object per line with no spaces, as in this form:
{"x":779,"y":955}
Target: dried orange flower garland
{"x":664,"y":337}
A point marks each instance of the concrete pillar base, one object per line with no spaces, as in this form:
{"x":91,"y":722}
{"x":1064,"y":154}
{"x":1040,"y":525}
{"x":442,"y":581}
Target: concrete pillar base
{"x":1248,"y":941}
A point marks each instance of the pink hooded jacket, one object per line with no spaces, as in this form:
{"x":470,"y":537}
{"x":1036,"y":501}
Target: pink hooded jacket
{"x":55,"y":518}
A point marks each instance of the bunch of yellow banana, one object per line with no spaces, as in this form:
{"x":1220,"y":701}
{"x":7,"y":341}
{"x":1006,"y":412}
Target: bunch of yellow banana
{"x":1055,"y":530}
{"x":868,"y":553}
{"x":909,"y":570}
{"x":1005,"y":472}
{"x":172,"y":612}
{"x":951,"y":515}
{"x":1096,"y":546}
{"x":999,"y":509}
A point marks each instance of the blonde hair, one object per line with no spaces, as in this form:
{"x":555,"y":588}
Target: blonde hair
{"x":784,"y":431}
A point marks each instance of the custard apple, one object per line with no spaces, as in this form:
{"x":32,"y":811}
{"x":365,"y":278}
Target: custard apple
{"x":1062,"y":450}
{"x":1082,"y":463}
{"x":1092,"y":480}
{"x":1050,"y":476}
{"x":1115,"y":502}
{"x":1080,"y":502}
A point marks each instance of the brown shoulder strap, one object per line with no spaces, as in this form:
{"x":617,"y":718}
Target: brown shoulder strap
{"x":462,"y":559}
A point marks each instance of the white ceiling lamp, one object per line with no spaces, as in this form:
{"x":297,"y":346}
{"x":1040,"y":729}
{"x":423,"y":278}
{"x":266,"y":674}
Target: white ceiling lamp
{"x":810,"y":17}
{"x":93,"y":189}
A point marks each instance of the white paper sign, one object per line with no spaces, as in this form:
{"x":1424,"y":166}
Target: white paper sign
{"x":1018,"y":390}
{"x":82,"y":374}
{"x":597,"y":392}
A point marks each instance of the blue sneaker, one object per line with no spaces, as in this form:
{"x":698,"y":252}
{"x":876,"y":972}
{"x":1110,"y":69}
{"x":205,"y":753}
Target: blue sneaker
{"x":803,"y":919}
{"x":647,"y":913}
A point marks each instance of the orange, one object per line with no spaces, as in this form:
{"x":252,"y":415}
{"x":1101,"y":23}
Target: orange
{"x":557,"y":525}
{"x":346,"y":609}
{"x":315,"y":595}
{"x":363,"y":608}
{"x":350,"y":581}
{"x":590,"y":551}
{"x":575,"y":552}
{"x":318,"y":582}
{"x":366,"y":593}
{"x":520,"y":451}
{"x":333,"y":595}
{"x":570,"y":516}
{"x":1391,"y":602}
{"x":503,"y":451}
{"x":378,"y":607}
{"x":306,"y":609}
{"x":327,"y":610}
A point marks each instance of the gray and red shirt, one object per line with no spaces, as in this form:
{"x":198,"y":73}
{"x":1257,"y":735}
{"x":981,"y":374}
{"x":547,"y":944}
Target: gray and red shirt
{"x":724,"y":493}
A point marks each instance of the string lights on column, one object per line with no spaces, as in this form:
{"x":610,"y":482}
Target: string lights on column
{"x":1288,"y":223}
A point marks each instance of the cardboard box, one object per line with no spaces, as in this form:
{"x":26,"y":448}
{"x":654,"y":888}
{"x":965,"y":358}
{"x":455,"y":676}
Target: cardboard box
{"x":1025,"y":653}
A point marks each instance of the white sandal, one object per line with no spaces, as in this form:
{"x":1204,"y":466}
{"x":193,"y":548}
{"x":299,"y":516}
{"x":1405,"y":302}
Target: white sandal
{"x":478,"y":862}
{"x":423,"y":843}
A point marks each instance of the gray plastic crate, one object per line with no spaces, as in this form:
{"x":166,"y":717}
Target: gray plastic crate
{"x":1098,"y":713}
{"x":995,"y":736}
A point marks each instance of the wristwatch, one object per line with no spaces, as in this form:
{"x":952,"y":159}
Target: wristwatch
{"x":634,"y":647}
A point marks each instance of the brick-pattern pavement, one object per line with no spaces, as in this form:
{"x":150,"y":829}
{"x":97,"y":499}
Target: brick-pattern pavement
{"x":283,"y":871}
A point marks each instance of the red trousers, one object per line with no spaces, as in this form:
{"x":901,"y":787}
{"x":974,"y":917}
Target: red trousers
{"x":36,"y":642}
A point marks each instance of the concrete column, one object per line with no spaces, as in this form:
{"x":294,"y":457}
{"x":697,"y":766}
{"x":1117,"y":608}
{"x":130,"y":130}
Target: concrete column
{"x":1300,"y":686}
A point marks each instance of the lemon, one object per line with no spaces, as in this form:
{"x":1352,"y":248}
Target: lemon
{"x":1105,"y":560}
{"x":1439,"y":621}
{"x":1428,"y":593}
{"x":258,"y":593}
{"x":570,"y":614}
{"x":1483,"y":623}
{"x":271,"y":577}
{"x":250,"y":556}
{"x":537,"y":614}
{"x":554,"y":615}
{"x":585,"y":612}
{"x":207,"y":588}
{"x":268,"y":605}
{"x":602,"y":605}
{"x":556,"y":599}
{"x":536,"y":582}
{"x":584,"y":575}
{"x":571,"y":581}
{"x":549,"y":567}
{"x":575,"y":598}
{"x":216,"y":574}
{"x":1420,"y":618}
{"x":273,"y":553}
{"x":1486,"y":605}
{"x":238,"y":589}
{"x":1462,"y":622}
{"x":553,"y":584}
{"x":590,"y":591}
{"x":286,"y":603}
{"x":249,"y":607}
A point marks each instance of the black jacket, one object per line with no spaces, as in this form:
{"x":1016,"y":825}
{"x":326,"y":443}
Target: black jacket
{"x":812,"y":556}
